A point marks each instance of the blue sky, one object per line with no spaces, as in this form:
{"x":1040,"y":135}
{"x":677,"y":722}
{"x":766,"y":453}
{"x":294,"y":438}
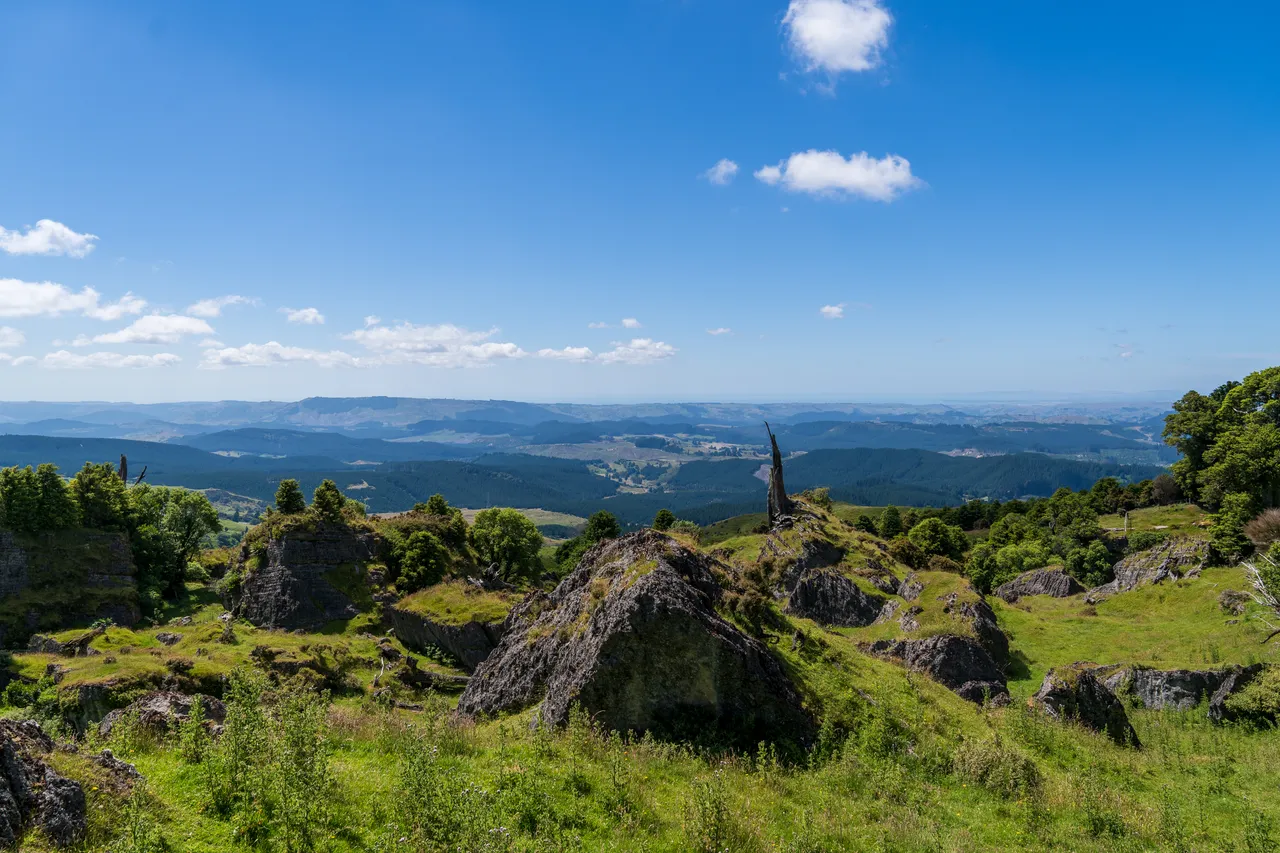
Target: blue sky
{"x":1004,"y":198}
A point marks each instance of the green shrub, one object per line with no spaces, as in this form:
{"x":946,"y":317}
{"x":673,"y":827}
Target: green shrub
{"x":1260,"y":700}
{"x":423,"y":562}
{"x":664,"y":519}
{"x":999,"y":767}
{"x":1141,"y":540}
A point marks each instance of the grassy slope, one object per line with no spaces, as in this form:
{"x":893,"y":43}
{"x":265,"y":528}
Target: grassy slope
{"x":458,"y":602}
{"x":1180,"y":519}
{"x":1168,"y":626}
{"x":897,"y":784}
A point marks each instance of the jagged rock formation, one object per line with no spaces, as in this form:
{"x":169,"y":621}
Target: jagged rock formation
{"x":162,"y":710}
{"x":1075,"y":692}
{"x":1171,"y":689}
{"x":1052,"y":582}
{"x":958,"y":663}
{"x":779,"y":503}
{"x":32,"y":793}
{"x":632,"y":636}
{"x":830,"y":598}
{"x":55,"y":580}
{"x":1170,"y":560}
{"x":469,"y":643}
{"x":1238,"y":678}
{"x":304,"y":578}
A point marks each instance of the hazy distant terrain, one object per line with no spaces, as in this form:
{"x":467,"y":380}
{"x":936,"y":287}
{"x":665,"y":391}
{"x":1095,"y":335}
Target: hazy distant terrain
{"x":697,"y":459}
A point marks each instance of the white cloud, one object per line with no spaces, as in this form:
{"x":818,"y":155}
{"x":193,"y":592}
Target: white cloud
{"x":63,"y":360}
{"x":211,"y":343}
{"x":47,"y":299}
{"x":835,"y":36}
{"x":597,"y":325}
{"x":213,"y":307}
{"x":832,"y":312}
{"x":638,"y":351}
{"x":720,"y":331}
{"x":11,"y":338}
{"x":721,"y":173}
{"x":568,"y":354}
{"x":274,"y":353}
{"x":46,"y":238}
{"x":827,"y":173}
{"x":24,"y":361}
{"x":304,"y":316}
{"x":372,"y":320}
{"x":444,"y":345}
{"x":153,"y":329}
{"x":631,"y":323}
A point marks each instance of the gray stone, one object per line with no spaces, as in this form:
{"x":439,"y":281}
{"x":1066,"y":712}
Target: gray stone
{"x":1052,"y":582}
{"x":293,"y":590}
{"x":958,"y":663}
{"x":1172,"y":559}
{"x":1169,"y":689}
{"x":829,"y":598}
{"x":633,"y":637}
{"x":162,"y":710}
{"x":32,"y":793}
{"x":1237,"y":679}
{"x":168,"y":638}
{"x":1076,"y":693}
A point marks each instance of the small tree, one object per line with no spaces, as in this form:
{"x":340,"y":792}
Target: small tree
{"x":890,"y":522}
{"x":289,"y":499}
{"x":100,"y":494}
{"x":437,"y":505}
{"x":602,"y":525}
{"x":189,"y":518}
{"x":20,"y":498}
{"x":865,"y":524}
{"x":58,"y":510}
{"x":664,"y":519}
{"x":327,"y":502}
{"x":1165,"y":490}
{"x":1227,"y":533}
{"x":423,"y":562}
{"x":507,"y":539}
{"x":933,"y":536}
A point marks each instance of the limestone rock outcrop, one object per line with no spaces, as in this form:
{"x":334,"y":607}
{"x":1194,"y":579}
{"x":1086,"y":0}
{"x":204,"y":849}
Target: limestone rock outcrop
{"x":1172,"y":559}
{"x":304,"y":578}
{"x":1166,"y":689}
{"x":1076,"y":692}
{"x":162,"y":710}
{"x":829,"y":598}
{"x":469,"y":643}
{"x":956,"y":662}
{"x":32,"y":793}
{"x":1052,"y":582}
{"x":633,"y":637}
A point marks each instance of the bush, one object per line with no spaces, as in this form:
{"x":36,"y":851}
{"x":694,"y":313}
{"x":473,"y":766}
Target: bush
{"x":664,"y":519}
{"x":908,"y":553}
{"x":999,"y":767}
{"x":423,"y":562}
{"x":1264,"y":528}
{"x":1144,"y":539}
{"x":507,"y":539}
{"x":602,"y":525}
{"x":1090,"y":565}
{"x":890,"y":523}
{"x":1259,"y":702}
{"x":933,"y":536}
{"x":327,"y":502}
{"x":865,"y":524}
{"x":687,"y":528}
{"x":1227,"y":533}
{"x":939,"y":563}
{"x":819,"y":497}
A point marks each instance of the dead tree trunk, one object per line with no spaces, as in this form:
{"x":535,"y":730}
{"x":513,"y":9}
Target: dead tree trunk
{"x":779,"y":503}
{"x":124,"y":469}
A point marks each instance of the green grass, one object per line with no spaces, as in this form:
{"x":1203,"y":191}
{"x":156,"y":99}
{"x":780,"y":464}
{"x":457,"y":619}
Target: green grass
{"x":1179,"y":518}
{"x":1168,"y":626}
{"x":456,"y":602}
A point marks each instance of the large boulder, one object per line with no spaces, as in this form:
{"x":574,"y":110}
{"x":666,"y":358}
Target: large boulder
{"x":958,"y":663}
{"x":1166,"y":689}
{"x":305,"y":577}
{"x":633,"y":637}
{"x":1076,"y":692}
{"x":1052,"y":582}
{"x":32,"y":793}
{"x":1174,"y":558}
{"x":828,"y":597}
{"x":162,"y":710}
{"x":470,"y":643}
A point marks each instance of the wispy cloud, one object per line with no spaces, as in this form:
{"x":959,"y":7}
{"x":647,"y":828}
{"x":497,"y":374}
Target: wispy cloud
{"x":303,"y":316}
{"x":46,"y":238}
{"x":443,"y":345}
{"x":721,"y":173}
{"x":11,"y":338}
{"x":829,"y":174}
{"x":64,"y":360}
{"x":273,"y":354}
{"x":631,"y":323}
{"x":214,"y":307}
{"x":567,"y":354}
{"x":637,"y":351}
{"x":723,"y":330}
{"x":832,"y":312}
